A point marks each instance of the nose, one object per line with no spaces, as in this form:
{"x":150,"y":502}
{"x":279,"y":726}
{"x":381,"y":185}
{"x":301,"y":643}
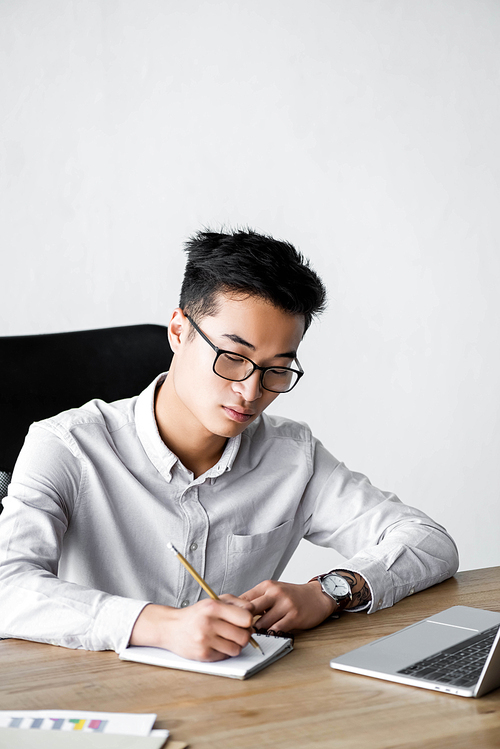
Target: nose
{"x":249,"y":389}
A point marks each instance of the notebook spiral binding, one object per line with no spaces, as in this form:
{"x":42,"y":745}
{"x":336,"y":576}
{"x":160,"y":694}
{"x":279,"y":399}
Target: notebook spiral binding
{"x":275,"y":633}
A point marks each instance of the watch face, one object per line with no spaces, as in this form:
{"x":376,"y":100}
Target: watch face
{"x":336,"y":586}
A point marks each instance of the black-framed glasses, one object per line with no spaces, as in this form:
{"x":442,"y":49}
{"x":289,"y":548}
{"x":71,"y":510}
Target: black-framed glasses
{"x":235,"y":367}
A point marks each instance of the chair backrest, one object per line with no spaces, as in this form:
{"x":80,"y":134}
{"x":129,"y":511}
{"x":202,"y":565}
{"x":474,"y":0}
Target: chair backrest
{"x":42,"y":375}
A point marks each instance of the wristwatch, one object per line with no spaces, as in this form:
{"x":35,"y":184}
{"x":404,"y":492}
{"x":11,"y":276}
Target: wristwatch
{"x":337,"y":587}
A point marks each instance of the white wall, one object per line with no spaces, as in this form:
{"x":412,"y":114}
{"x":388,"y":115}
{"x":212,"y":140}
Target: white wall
{"x":366,"y":132}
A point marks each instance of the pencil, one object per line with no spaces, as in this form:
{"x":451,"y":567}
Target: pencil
{"x":204,"y":585}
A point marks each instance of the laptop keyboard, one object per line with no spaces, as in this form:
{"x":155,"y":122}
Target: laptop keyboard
{"x":460,"y":665}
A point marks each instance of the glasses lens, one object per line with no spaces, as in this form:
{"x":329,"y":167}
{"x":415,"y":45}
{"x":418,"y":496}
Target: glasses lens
{"x":238,"y":368}
{"x":279,"y":380}
{"x":233,"y":367}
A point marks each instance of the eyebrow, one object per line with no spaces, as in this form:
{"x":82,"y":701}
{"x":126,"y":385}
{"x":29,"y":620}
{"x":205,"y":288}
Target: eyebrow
{"x":236,"y":339}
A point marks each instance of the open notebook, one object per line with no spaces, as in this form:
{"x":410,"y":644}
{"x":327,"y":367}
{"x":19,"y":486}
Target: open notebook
{"x":241,"y":666}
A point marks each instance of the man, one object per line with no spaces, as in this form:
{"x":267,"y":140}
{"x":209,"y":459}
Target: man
{"x":98,"y":492}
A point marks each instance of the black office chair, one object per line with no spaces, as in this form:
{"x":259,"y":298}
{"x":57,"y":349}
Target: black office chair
{"x":41,"y":375}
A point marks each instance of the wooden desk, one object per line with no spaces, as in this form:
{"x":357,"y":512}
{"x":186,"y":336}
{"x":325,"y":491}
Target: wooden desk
{"x":298,"y":702}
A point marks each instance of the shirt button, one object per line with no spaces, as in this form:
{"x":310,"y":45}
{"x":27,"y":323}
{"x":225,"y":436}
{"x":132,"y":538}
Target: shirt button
{"x":411,"y":591}
{"x":193,"y":546}
{"x":185,"y":603}
{"x":380,"y":602}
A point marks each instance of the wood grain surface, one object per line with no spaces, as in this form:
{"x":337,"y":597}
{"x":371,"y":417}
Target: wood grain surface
{"x":297,"y":702}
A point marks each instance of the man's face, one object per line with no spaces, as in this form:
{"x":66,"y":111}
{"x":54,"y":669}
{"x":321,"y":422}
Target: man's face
{"x":249,"y":326}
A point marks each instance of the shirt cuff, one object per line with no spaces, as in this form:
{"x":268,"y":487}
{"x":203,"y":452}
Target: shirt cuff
{"x":114,"y":624}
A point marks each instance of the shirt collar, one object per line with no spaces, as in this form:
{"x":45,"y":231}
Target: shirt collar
{"x":159,"y":454}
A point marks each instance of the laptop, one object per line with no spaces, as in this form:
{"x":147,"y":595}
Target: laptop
{"x":456,"y":651}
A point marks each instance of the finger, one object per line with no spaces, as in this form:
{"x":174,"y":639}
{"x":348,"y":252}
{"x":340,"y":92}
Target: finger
{"x":223,"y":641}
{"x":278,"y":623}
{"x":215,"y":655}
{"x":236,"y":636}
{"x":234,"y":614}
{"x":254,"y":592}
{"x":269,"y":620}
{"x":273,"y":615}
{"x":210,"y":655}
{"x":263,"y":603}
{"x":226,"y":648}
{"x":235,"y":601}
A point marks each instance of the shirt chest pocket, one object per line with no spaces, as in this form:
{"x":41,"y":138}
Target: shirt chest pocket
{"x":251,"y":559}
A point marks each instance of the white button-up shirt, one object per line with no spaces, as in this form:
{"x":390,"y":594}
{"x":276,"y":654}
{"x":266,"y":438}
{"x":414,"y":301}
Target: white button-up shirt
{"x":96,"y":496}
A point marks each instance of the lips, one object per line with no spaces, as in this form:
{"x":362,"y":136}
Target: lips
{"x":239,"y":416}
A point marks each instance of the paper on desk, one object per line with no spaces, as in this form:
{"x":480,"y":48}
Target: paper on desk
{"x":13,"y":738}
{"x":79,"y":721}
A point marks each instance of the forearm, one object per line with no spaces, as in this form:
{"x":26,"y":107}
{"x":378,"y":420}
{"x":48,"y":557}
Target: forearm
{"x":40,"y":607}
{"x":398,"y":549}
{"x":410,"y":558}
{"x":37,"y":604}
{"x":407,"y":560}
{"x":361,"y":593}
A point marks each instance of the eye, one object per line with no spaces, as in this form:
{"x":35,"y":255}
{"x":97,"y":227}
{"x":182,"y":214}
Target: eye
{"x":234,"y":358}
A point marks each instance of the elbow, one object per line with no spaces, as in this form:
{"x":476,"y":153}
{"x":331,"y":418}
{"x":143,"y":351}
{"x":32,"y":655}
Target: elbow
{"x":444,"y":549}
{"x":453,"y":557}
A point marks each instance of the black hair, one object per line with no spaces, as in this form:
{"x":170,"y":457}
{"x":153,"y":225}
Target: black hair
{"x":249,"y":263}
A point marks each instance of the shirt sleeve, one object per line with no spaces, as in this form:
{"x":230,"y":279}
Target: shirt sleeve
{"x":398,"y":549}
{"x":36,"y":603}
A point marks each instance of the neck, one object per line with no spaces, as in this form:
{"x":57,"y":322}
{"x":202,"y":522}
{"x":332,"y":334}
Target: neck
{"x":197,"y":448}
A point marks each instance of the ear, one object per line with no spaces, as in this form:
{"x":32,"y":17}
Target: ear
{"x":178,"y":329}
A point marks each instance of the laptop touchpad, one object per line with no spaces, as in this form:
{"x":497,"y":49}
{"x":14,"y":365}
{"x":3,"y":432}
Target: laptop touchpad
{"x":404,"y":647}
{"x":417,"y":642}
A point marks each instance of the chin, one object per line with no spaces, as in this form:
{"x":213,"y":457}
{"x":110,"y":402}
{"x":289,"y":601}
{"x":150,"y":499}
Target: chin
{"x":228,"y":433}
{"x":231,"y":430}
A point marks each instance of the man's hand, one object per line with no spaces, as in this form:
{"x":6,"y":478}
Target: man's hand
{"x":287,"y":606}
{"x":207,"y":631}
